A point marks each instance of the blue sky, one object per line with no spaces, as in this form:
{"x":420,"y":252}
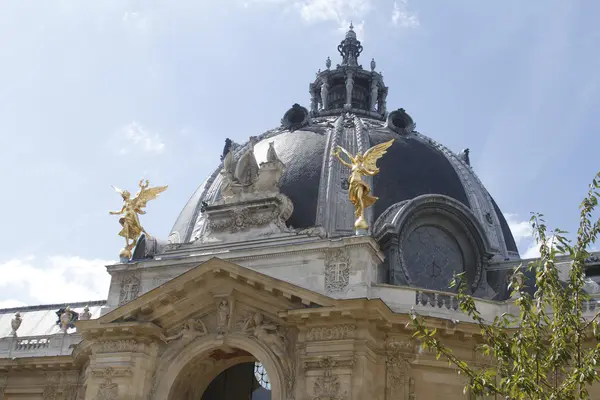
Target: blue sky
{"x":108,"y":92}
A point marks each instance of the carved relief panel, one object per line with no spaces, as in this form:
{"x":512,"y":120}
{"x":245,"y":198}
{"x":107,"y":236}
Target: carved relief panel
{"x":130,"y":288}
{"x":337,"y":270}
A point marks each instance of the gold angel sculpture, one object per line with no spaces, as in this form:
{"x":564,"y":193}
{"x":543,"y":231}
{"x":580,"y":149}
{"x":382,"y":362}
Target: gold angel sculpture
{"x":132,"y":229}
{"x":359,"y":191}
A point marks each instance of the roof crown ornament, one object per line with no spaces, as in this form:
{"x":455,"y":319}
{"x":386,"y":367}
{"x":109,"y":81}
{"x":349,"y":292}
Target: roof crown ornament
{"x":350,"y":48}
{"x":16,"y":323}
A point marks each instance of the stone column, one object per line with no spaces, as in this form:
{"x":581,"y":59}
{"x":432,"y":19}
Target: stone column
{"x":314,"y":108}
{"x":324,"y":94}
{"x":121,"y":369}
{"x":349,"y":88}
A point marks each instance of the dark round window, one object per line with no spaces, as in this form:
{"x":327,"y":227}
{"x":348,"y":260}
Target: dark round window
{"x":432,"y":258}
{"x":399,"y":121}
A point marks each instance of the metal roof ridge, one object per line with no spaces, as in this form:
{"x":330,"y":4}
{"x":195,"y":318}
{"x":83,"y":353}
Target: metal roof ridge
{"x":40,"y":307}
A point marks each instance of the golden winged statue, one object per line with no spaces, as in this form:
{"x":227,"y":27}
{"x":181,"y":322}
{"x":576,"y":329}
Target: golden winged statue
{"x":132,"y":229}
{"x":362,"y":165}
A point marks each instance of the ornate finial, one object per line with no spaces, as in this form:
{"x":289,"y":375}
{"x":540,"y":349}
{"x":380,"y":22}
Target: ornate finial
{"x":373,"y":65}
{"x":359,"y":191}
{"x":131,"y":208}
{"x":16,"y":323}
{"x":464,"y":156}
{"x":86,"y":315}
{"x":66,"y":318}
{"x":328,"y":62}
{"x":350,"y":48}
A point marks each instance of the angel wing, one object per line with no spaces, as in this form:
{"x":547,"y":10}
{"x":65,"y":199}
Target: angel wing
{"x":145,"y":195}
{"x":375,"y":153}
{"x":120,"y":191}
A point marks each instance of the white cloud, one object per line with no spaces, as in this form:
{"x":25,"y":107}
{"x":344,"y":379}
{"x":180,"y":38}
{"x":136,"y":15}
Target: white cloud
{"x":402,"y":17}
{"x":133,"y":137}
{"x":57,"y":279}
{"x":340,"y":12}
{"x":523,"y":233}
{"x":137,"y":21}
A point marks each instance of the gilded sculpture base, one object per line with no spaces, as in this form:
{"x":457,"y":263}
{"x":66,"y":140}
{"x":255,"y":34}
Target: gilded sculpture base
{"x":361,"y":224}
{"x":125,"y":254}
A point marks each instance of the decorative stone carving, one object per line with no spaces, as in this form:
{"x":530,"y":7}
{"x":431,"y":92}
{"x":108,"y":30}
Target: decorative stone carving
{"x":275,"y":339}
{"x":338,"y":332}
{"x":328,"y":386}
{"x":464,"y":156}
{"x":337,"y":270}
{"x":398,"y":357}
{"x":50,"y":392}
{"x":374,"y":95}
{"x":250,"y":205}
{"x":86,"y":314}
{"x":130,"y":288}
{"x":108,"y":390}
{"x":15,"y":323}
{"x":317,"y":231}
{"x":324,"y":94}
{"x":269,"y":334}
{"x":117,"y":346}
{"x":189,"y":331}
{"x":349,"y":88}
{"x":224,"y":311}
{"x":66,"y":319}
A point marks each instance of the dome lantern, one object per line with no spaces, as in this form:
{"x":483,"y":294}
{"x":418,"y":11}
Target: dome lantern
{"x":348,"y":87}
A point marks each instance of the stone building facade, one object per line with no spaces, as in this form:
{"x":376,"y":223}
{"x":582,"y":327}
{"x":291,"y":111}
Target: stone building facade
{"x":264,"y":291}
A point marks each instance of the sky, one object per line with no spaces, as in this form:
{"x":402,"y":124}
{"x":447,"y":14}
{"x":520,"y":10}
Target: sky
{"x":104,"y":93}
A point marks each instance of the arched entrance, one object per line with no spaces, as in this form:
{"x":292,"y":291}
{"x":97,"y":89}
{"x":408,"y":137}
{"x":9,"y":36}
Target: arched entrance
{"x":208,"y":369}
{"x":248,"y":380}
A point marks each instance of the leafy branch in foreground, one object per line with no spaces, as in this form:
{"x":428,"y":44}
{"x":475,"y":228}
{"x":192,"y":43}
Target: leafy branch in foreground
{"x":548,"y":350}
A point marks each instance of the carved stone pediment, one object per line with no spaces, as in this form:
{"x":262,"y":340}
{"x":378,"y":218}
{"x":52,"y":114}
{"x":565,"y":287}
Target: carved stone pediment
{"x":212,"y":292}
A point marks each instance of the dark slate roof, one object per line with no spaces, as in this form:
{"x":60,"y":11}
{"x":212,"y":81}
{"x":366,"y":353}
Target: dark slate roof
{"x":511,"y":245}
{"x":410,"y":169}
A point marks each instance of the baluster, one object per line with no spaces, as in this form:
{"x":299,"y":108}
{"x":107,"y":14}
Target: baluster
{"x":443,"y":302}
{"x":419,"y":297}
{"x":430,"y":300}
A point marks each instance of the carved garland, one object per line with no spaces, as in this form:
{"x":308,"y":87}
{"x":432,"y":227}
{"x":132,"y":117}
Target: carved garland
{"x":331,"y":333}
{"x":117,"y":346}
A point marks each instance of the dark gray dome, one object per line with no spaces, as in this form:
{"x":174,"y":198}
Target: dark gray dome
{"x":419,"y":178}
{"x":414,"y":166}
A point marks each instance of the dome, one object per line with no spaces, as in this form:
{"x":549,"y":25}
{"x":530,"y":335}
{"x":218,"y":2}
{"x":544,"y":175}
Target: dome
{"x":432,"y":209}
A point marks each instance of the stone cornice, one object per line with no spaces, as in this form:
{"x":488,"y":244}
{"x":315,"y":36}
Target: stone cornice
{"x":189,"y":256}
{"x":53,"y":363}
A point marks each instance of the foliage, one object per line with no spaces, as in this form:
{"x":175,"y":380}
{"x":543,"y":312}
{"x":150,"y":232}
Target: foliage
{"x":548,"y":350}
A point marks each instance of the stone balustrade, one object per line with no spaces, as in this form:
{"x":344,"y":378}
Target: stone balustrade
{"x":36,"y":346}
{"x":445,"y":304}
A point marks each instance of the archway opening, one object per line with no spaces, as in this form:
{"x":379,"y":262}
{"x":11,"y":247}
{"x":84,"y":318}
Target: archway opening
{"x":248,"y":380}
{"x":223,"y":373}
